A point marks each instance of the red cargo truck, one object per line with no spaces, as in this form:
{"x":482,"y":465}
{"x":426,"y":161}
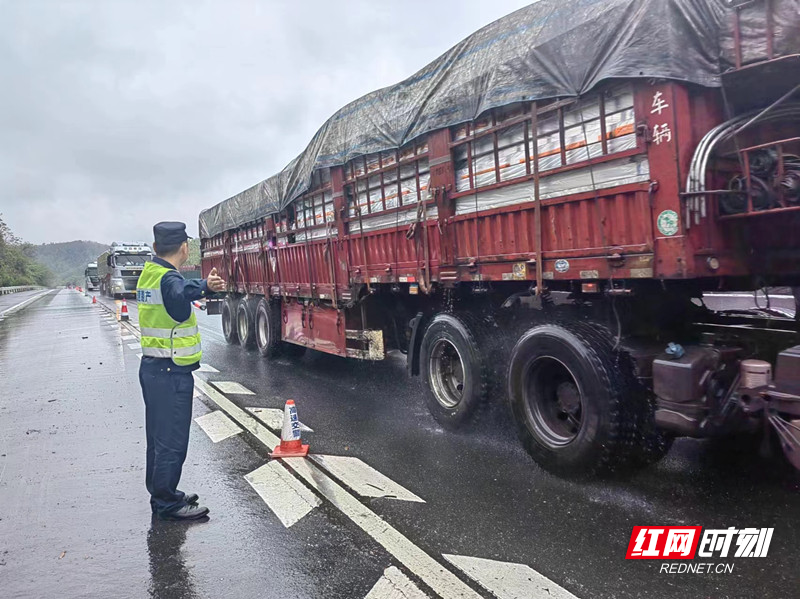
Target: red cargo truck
{"x":544,"y":206}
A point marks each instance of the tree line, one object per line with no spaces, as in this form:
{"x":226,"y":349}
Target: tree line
{"x":18,"y":265}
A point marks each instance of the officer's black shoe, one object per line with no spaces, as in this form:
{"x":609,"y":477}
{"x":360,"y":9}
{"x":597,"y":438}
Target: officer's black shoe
{"x":187,"y":512}
{"x":192,"y":498}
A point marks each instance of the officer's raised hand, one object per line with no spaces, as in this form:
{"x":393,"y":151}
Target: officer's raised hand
{"x":215,"y":282}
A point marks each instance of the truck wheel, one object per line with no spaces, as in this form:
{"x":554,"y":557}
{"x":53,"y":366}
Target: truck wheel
{"x":268,"y":328}
{"x":453,"y":368}
{"x":228,"y":321}
{"x":567,"y":396}
{"x":245,"y":324}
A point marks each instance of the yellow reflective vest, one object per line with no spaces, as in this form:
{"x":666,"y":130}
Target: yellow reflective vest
{"x":163,"y":337}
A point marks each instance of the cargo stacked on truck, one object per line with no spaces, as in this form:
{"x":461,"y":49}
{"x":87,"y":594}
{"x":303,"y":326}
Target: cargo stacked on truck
{"x":543,"y":207}
{"x":92,"y":282}
{"x":119,"y":267}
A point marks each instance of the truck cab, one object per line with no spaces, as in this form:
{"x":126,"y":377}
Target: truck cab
{"x":92,"y":280}
{"x":120,"y":266}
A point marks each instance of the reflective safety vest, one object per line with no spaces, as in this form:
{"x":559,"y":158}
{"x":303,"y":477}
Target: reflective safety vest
{"x":163,"y":337}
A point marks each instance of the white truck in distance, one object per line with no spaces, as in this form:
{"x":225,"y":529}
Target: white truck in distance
{"x":119,"y":267}
{"x":92,"y":282}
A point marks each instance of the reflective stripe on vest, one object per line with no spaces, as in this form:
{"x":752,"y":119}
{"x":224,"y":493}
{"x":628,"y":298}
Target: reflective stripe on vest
{"x":163,"y":337}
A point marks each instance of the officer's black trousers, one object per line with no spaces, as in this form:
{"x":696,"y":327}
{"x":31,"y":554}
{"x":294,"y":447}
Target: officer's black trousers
{"x":168,"y":415}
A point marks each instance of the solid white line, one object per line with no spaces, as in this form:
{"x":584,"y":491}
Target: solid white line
{"x":287,"y":497}
{"x":217,"y":426}
{"x":273,"y":418}
{"x":23,"y":303}
{"x":232,"y":387}
{"x":509,"y":581}
{"x":436,"y":576}
{"x":364,"y":479}
{"x":395,"y":585}
{"x":760,"y":296}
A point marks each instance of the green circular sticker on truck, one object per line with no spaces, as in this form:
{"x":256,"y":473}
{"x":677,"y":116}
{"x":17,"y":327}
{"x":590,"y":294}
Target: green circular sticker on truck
{"x":668,"y":222}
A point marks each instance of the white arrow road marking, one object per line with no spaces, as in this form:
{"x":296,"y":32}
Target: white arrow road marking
{"x":446,"y":584}
{"x":206,"y":368}
{"x":508,"y":581}
{"x":134,"y":346}
{"x":363,"y":478}
{"x":395,"y":585}
{"x":231,"y":387}
{"x":286,"y":496}
{"x":273,"y":418}
{"x":217,"y":426}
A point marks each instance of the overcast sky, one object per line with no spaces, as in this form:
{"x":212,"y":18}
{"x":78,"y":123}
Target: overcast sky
{"x":117,"y":114}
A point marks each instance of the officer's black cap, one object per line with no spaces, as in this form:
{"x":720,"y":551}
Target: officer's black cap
{"x":169,"y":234}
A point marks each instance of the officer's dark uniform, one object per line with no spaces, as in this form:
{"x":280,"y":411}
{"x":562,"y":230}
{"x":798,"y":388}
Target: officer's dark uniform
{"x":168,"y":388}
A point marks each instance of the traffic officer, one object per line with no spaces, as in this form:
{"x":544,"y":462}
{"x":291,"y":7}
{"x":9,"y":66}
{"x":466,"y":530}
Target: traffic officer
{"x":170,"y":352}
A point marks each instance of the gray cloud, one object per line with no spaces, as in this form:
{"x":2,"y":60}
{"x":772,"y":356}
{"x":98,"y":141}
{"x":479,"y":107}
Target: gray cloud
{"x":117,"y":114}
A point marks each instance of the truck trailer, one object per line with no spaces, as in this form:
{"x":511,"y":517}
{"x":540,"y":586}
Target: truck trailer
{"x":539,"y":212}
{"x":119,"y":267}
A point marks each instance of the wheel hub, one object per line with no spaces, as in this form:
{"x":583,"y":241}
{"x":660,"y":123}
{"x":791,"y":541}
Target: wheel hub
{"x":446,"y":373}
{"x":553,"y":401}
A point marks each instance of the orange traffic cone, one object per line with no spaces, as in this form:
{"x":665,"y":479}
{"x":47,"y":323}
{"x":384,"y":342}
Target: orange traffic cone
{"x":123,"y":314}
{"x":94,"y":299}
{"x":291,"y":444}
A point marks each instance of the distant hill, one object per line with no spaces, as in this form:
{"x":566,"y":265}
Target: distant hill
{"x":67,"y":261}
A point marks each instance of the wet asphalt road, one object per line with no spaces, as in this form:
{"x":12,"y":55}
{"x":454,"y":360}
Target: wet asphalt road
{"x":484,"y":496}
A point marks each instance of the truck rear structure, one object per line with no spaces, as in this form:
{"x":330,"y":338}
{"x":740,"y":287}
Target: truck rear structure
{"x":540,"y":211}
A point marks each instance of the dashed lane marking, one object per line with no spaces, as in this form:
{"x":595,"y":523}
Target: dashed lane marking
{"x":509,"y":581}
{"x":273,"y":417}
{"x":288,"y":498}
{"x":232,"y":388}
{"x":217,"y":426}
{"x":395,"y":585}
{"x":363,"y":478}
{"x":431,"y":572}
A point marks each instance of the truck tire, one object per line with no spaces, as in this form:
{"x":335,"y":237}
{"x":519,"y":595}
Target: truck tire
{"x":245,"y":323}
{"x":568,"y":397}
{"x":268,"y":328}
{"x":454,"y":371}
{"x":229,"y":321}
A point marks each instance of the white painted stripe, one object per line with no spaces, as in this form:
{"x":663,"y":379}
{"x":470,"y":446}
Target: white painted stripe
{"x":217,"y":426}
{"x":363,"y":478}
{"x":232,"y":387}
{"x":206,"y":368}
{"x":508,"y":581}
{"x":748,"y":295}
{"x":134,"y":346}
{"x":22,"y":304}
{"x":127,"y":337}
{"x":431,"y":572}
{"x":287,"y":497}
{"x":395,"y":585}
{"x":436,"y":576}
{"x":273,"y":418}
